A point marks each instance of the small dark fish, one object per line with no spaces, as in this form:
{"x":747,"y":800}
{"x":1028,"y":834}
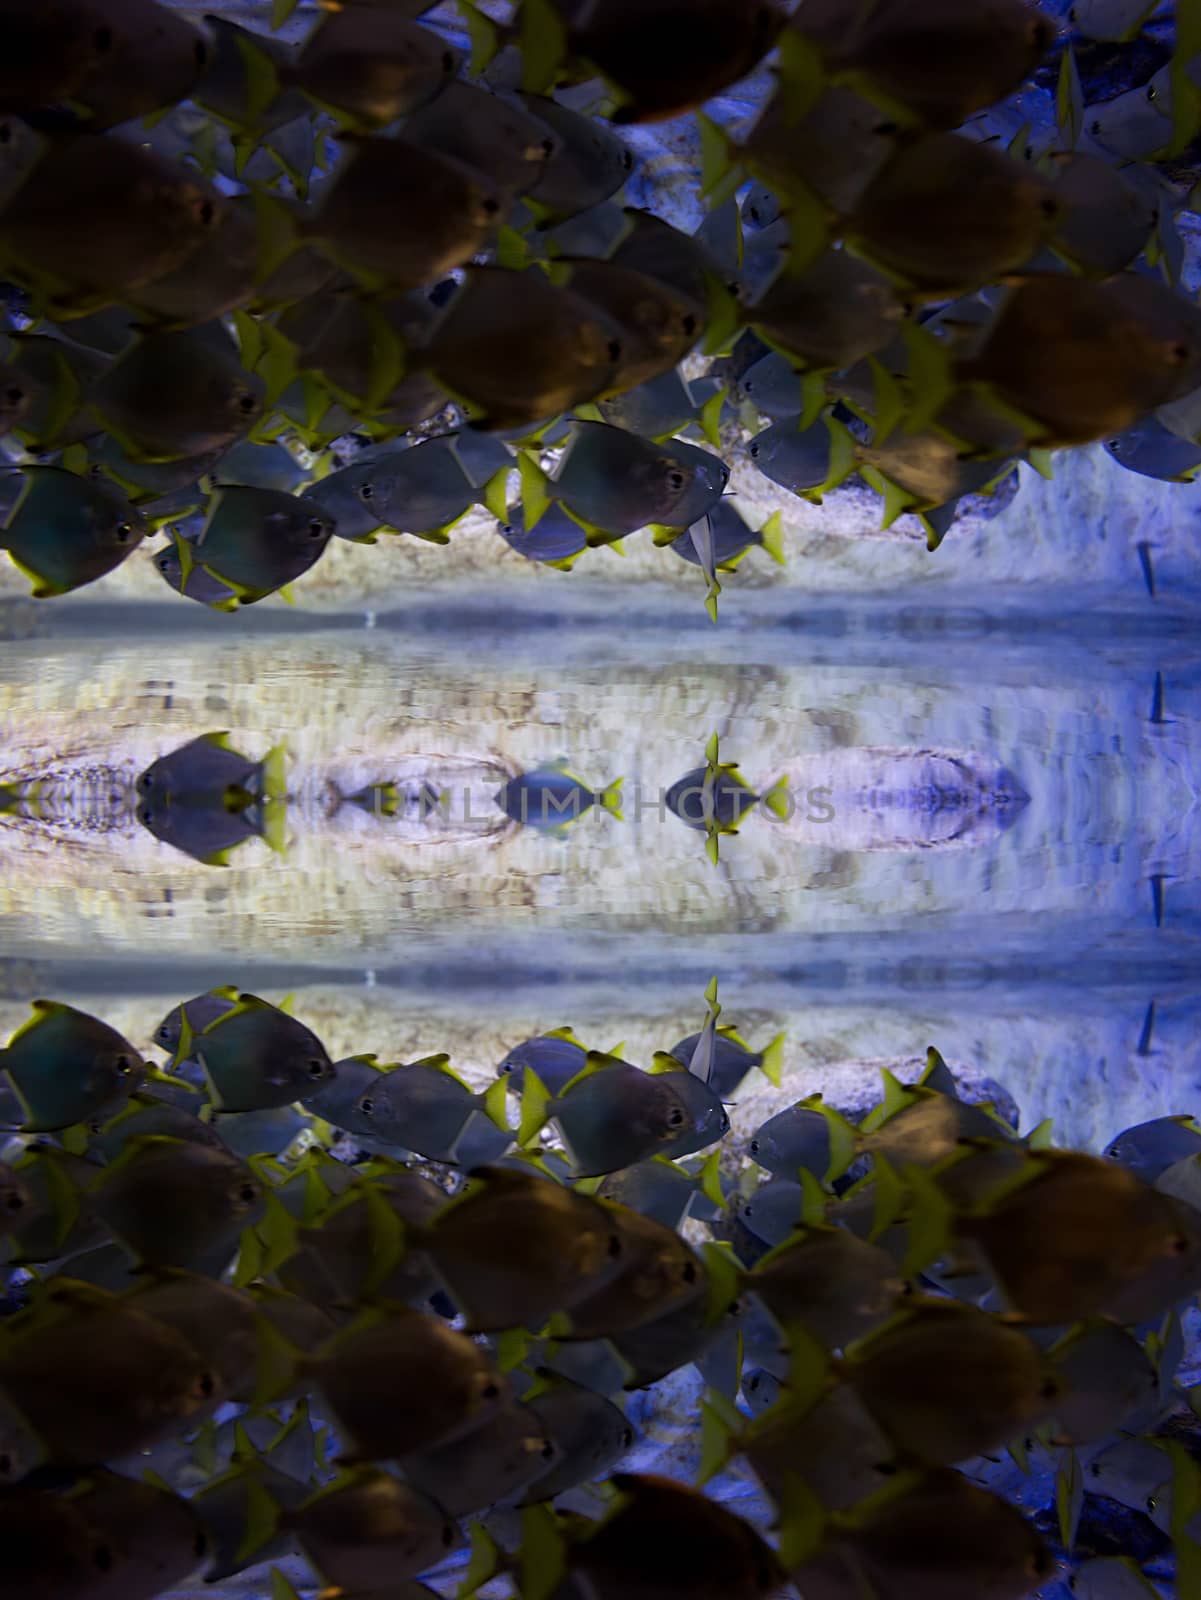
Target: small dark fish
{"x":616,"y":483}
{"x":257,"y":541}
{"x":490,"y":133}
{"x":733,"y":1059}
{"x":773,"y":1211}
{"x":667,"y":56}
{"x":372,"y":63}
{"x":65,"y":1066}
{"x":792,"y":1139}
{"x":664,"y":406}
{"x":1150,"y":1148}
{"x":1155,"y":452}
{"x":590,"y":1435}
{"x":551,"y":798}
{"x":730,"y":539}
{"x":153,"y":58}
{"x":489,"y":1467}
{"x":661,"y":1190}
{"x":205,"y":798}
{"x":658,"y":1272}
{"x":144,"y":1114}
{"x":798,"y":459}
{"x":172,"y":396}
{"x":611,"y":1116}
{"x":589,"y":165}
{"x":65,"y":531}
{"x":556,"y":1058}
{"x":556,"y":539}
{"x":421,"y":1106}
{"x":399,"y":215}
{"x":176,"y":1203}
{"x":423,"y":490}
{"x":519,"y":350}
{"x":368,"y":1530}
{"x":255,"y":1056}
{"x":658,"y":324}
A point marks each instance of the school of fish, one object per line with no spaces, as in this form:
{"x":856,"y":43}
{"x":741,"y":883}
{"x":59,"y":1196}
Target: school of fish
{"x":262,"y":294}
{"x":262,"y":1304}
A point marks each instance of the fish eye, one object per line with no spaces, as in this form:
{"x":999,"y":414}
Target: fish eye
{"x":123,"y":531}
{"x":613,"y":349}
{"x":247,"y":402}
{"x":367,"y":1106}
{"x":1049,"y":1389}
{"x":747,"y":1209}
{"x":366,"y":491}
{"x":1094,"y":127}
{"x":102,"y":40}
{"x":548,"y":1451}
{"x":1152,"y":92}
{"x":627,"y":160}
{"x":1179,"y":1245}
{"x":724,"y":1123}
{"x":754,"y":448}
{"x":316,"y":1068}
{"x":145,"y":783}
{"x":675,"y":1117}
{"x":675,"y":480}
{"x":491,"y":1391}
{"x":316,"y":528}
{"x":689,"y":1272}
{"x":689,"y":324}
{"x":164,"y":563}
{"x":123,"y":1065}
{"x":248,"y":1194}
{"x":490,"y":207}
{"x":206,"y":1385}
{"x":614,"y":1245}
{"x":754,"y":1149}
{"x":627,"y":1437}
{"x":1095,"y":1469}
{"x":1049,"y":206}
{"x":1179,"y":353}
{"x":102,"y":1558}
{"x":753,"y":1384}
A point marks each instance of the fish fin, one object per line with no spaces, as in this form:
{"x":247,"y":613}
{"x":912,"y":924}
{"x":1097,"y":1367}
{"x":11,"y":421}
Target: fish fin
{"x":896,"y":499}
{"x":709,"y":418}
{"x":778,"y":799}
{"x":712,"y":847}
{"x":723,"y":317}
{"x":896,"y":1098}
{"x":493,"y":1102}
{"x":801,"y":1521}
{"x":487,"y":1560}
{"x":610,"y":799}
{"x":716,"y":155}
{"x":495,"y":496}
{"x":662,"y":1062}
{"x":724,"y":1276}
{"x":719,"y":1436}
{"x":543,"y":1556}
{"x":544,"y":45}
{"x":772,"y":537}
{"x":535,"y":486}
{"x":277,"y":230}
{"x":535,"y":1101}
{"x":1069,"y":99}
{"x":930,"y":1222}
{"x":938,"y":1075}
{"x":273,"y":826}
{"x":273,"y":773}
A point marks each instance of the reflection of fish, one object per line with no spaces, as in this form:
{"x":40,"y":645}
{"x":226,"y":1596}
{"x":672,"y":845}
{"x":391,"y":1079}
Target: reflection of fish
{"x":551,"y":798}
{"x":205,"y":798}
{"x":715,"y":798}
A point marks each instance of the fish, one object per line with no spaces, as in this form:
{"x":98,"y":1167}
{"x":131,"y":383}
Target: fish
{"x":1133,"y":126}
{"x":157,"y":1539}
{"x":176,"y":1203}
{"x":1112,"y":1578}
{"x":360,"y":1248}
{"x":1081,"y":360}
{"x":665,"y":1538}
{"x":53,"y":1551}
{"x":714,"y":799}
{"x":666,"y":405}
{"x":51,"y":373}
{"x":154,"y":57}
{"x":371,"y":64}
{"x":368,"y":1529}
{"x":1004,"y":212}
{"x":658,"y":1272}
{"x":404,"y":1384}
{"x":835,"y":1286}
{"x":1085,"y":1237}
{"x":65,"y":1065}
{"x":205,"y":798}
{"x":397,"y":215}
{"x":516,"y":1248}
{"x":240,"y":1513}
{"x":610,"y":1116}
{"x":1106,"y":222}
{"x":667,"y":57}
{"x":1154,"y":451}
{"x":423,"y":490}
{"x":260,"y":466}
{"x":214,"y":279}
{"x":255,"y":1056}
{"x":832,"y":314}
{"x":615,"y":483}
{"x":269,"y":1132}
{"x":828,"y":1442}
{"x":141,"y":217}
{"x":658,"y":324}
{"x":420,"y":1105}
{"x":144,"y":1114}
{"x":772,"y":1211}
{"x":519,"y":349}
{"x":1109,"y":19}
{"x":94,"y":1379}
{"x":1130,"y":1471}
{"x":551,"y":798}
{"x":678,"y":260}
{"x":773,"y":386}
{"x":588,"y":165}
{"x":240,"y":85}
{"x":490,"y":1467}
{"x":802,"y":460}
{"x":555,"y":540}
{"x":1107,"y":1382}
{"x":172,"y":396}
{"x":709,"y":1120}
{"x":257,"y":541}
{"x":938,"y":61}
{"x":939,"y":1536}
{"x":794,"y":1139}
{"x":556,"y":1057}
{"x":733,"y":1059}
{"x":1149,"y":1148}
{"x":17,"y":1200}
{"x":666,"y":1191}
{"x":57,"y":1225}
{"x":589,"y":1433}
{"x":817,"y":163}
{"x":218,"y":1321}
{"x":490,"y":133}
{"x":65,"y":531}
{"x":53,"y":51}
{"x":760,"y":1389}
